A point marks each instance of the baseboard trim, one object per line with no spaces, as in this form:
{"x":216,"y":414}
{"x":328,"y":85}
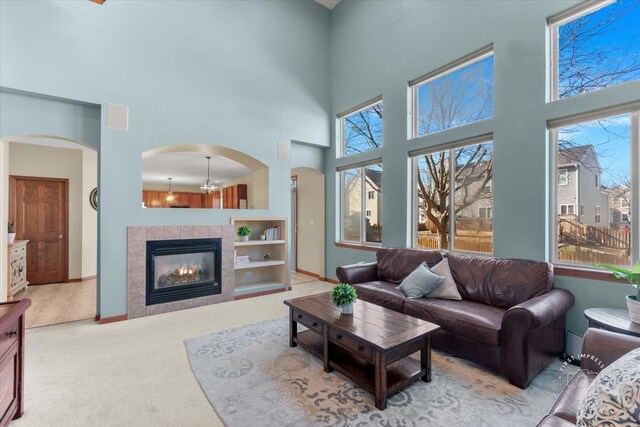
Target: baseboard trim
{"x":308,"y":273}
{"x":97,"y":317}
{"x":335,"y":282}
{"x":111,"y":319}
{"x":258,"y":294}
{"x":81,"y":279}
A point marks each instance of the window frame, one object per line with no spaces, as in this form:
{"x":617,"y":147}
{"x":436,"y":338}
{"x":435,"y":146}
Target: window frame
{"x":567,"y":205}
{"x":566,"y":176}
{"x":478,"y":55}
{"x":633,"y":110}
{"x":597,"y":214}
{"x":363,"y":193}
{"x":553,"y":24}
{"x":415,"y":211}
{"x":340,"y":126}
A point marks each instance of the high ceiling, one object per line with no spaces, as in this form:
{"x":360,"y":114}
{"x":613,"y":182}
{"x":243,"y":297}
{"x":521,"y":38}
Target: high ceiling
{"x":190,"y":168}
{"x":329,"y":4}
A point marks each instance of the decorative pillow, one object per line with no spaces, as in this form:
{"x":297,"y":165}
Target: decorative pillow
{"x":613,"y":398}
{"x":448,"y":288}
{"x":420,"y":282}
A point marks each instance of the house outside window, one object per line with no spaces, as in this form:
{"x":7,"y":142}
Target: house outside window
{"x":454,"y":95}
{"x":371,"y":195}
{"x":451,"y":211}
{"x":356,"y":183}
{"x":361,"y":128}
{"x":595,"y":150}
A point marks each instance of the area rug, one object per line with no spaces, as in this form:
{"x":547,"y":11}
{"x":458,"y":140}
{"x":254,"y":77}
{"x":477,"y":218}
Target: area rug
{"x":253,"y":378}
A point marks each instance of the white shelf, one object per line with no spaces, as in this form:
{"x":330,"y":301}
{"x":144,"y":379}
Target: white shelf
{"x":251,"y":288}
{"x":260,"y":242}
{"x":257,"y":264}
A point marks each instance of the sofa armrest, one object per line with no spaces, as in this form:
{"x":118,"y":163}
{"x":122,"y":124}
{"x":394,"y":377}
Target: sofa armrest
{"x":357,"y":273}
{"x":601,"y":348}
{"x":538,"y":311}
{"x":532,"y":334}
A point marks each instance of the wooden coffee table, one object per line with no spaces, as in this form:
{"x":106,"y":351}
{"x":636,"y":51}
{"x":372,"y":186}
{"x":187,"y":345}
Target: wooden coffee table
{"x":370,"y":346}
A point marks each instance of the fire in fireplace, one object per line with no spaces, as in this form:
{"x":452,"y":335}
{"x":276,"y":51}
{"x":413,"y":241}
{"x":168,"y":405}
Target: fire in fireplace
{"x":182,"y":269}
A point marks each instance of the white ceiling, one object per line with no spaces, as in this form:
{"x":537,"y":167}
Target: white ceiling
{"x":329,"y":4}
{"x":190,"y":168}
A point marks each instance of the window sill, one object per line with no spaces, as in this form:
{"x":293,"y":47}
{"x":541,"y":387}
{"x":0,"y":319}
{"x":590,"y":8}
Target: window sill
{"x":585,"y":273}
{"x":360,"y":246}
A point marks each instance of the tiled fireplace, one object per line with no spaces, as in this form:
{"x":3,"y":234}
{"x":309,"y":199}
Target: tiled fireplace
{"x":178,"y":267}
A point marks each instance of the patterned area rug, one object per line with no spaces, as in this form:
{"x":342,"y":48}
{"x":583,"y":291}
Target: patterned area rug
{"x":252,"y":377}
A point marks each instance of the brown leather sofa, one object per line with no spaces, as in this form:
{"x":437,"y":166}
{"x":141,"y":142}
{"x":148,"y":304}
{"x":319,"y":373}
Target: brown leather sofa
{"x":510,"y":318}
{"x":600,"y":348}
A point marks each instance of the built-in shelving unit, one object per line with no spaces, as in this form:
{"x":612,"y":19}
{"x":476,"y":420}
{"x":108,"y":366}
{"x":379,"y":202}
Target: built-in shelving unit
{"x":260,"y":275}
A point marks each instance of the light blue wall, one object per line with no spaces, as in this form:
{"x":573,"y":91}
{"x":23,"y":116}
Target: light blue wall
{"x":378,"y":47}
{"x":25,"y":114}
{"x":243,"y":74}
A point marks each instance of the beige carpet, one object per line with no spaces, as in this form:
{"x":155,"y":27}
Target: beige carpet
{"x":132,"y":373}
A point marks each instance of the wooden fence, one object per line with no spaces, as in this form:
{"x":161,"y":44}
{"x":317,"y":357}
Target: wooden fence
{"x":574,"y":232}
{"x":462,"y":243}
{"x":591,"y":257}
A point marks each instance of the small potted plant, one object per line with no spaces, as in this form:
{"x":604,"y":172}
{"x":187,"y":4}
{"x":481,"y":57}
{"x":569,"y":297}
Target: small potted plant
{"x":633,"y":277}
{"x":344,"y":296}
{"x":243,"y":233}
{"x":12,"y":233}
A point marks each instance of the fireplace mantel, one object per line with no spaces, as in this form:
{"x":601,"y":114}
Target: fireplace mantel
{"x":137,"y":238}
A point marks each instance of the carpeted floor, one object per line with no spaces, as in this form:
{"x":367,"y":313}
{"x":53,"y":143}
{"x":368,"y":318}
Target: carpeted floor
{"x":252,"y":377}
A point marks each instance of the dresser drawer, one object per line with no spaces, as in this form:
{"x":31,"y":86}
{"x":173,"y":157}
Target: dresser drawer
{"x":9,"y":337}
{"x":307,"y":321}
{"x":349,"y":343}
{"x":18,"y":251}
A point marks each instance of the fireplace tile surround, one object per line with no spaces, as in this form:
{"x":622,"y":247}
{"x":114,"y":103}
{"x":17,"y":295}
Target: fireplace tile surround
{"x":137,"y":237}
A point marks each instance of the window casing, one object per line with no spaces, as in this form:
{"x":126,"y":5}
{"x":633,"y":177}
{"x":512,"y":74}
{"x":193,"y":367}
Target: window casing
{"x":603,"y":145}
{"x":465,"y":85}
{"x":450,"y":210}
{"x":361,"y":217}
{"x":593,"y":46}
{"x":563,"y":177}
{"x":360,"y":128}
{"x":567,"y":209}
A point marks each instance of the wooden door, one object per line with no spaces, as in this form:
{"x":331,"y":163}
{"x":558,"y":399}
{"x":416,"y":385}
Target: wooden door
{"x":38,"y":206}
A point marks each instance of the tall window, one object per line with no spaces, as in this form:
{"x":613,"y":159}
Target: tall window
{"x":604,"y":152}
{"x":453,"y":211}
{"x":455,"y":95}
{"x":594,"y":46}
{"x":356,"y":183}
{"x":361,"y":128}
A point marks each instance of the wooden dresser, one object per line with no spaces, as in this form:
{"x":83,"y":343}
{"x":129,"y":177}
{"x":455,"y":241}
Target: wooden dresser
{"x":12,"y":359}
{"x":17,"y":268}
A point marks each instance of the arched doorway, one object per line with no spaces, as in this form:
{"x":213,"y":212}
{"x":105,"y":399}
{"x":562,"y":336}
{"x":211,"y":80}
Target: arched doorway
{"x":49,"y":185}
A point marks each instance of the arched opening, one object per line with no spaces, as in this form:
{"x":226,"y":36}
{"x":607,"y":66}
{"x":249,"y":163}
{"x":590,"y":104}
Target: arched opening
{"x":203,"y":177}
{"x":307,"y":225}
{"x":49,"y":184}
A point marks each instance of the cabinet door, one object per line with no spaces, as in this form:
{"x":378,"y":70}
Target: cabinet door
{"x":195,"y":200}
{"x":9,"y":385}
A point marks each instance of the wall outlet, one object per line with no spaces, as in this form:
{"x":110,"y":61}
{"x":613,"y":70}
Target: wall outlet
{"x":248,"y":274}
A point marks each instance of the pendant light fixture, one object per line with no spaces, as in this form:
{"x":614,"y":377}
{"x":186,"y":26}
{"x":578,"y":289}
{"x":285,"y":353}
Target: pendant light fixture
{"x":208,"y":186}
{"x":170,"y":199}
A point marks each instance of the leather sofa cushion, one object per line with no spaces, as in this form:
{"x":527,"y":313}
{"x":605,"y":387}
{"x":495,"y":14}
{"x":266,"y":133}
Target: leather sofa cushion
{"x":553,"y":421}
{"x":566,"y":407}
{"x":394,"y":264}
{"x":499,"y":282}
{"x":469,"y":319}
{"x":381,"y":293}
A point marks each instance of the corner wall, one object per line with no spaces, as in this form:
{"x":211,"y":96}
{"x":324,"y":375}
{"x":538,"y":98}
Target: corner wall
{"x":378,"y":47}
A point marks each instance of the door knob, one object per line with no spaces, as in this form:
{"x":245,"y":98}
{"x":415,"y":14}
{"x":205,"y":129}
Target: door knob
{"x":60,"y":237}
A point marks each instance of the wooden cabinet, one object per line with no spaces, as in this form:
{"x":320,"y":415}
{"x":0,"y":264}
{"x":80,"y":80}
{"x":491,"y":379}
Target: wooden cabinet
{"x":17,"y":267}
{"x":12,"y":360}
{"x":156,"y":199}
{"x":235,"y":197}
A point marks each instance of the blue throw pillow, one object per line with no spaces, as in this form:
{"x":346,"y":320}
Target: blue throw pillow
{"x":420,"y":282}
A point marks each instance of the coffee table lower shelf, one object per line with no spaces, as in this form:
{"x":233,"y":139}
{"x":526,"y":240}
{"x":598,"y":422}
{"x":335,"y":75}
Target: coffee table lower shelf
{"x":399,"y":374}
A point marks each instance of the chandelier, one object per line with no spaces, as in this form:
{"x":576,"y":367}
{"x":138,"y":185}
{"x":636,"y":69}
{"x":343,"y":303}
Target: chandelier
{"x":170,"y":199}
{"x":208,"y":186}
